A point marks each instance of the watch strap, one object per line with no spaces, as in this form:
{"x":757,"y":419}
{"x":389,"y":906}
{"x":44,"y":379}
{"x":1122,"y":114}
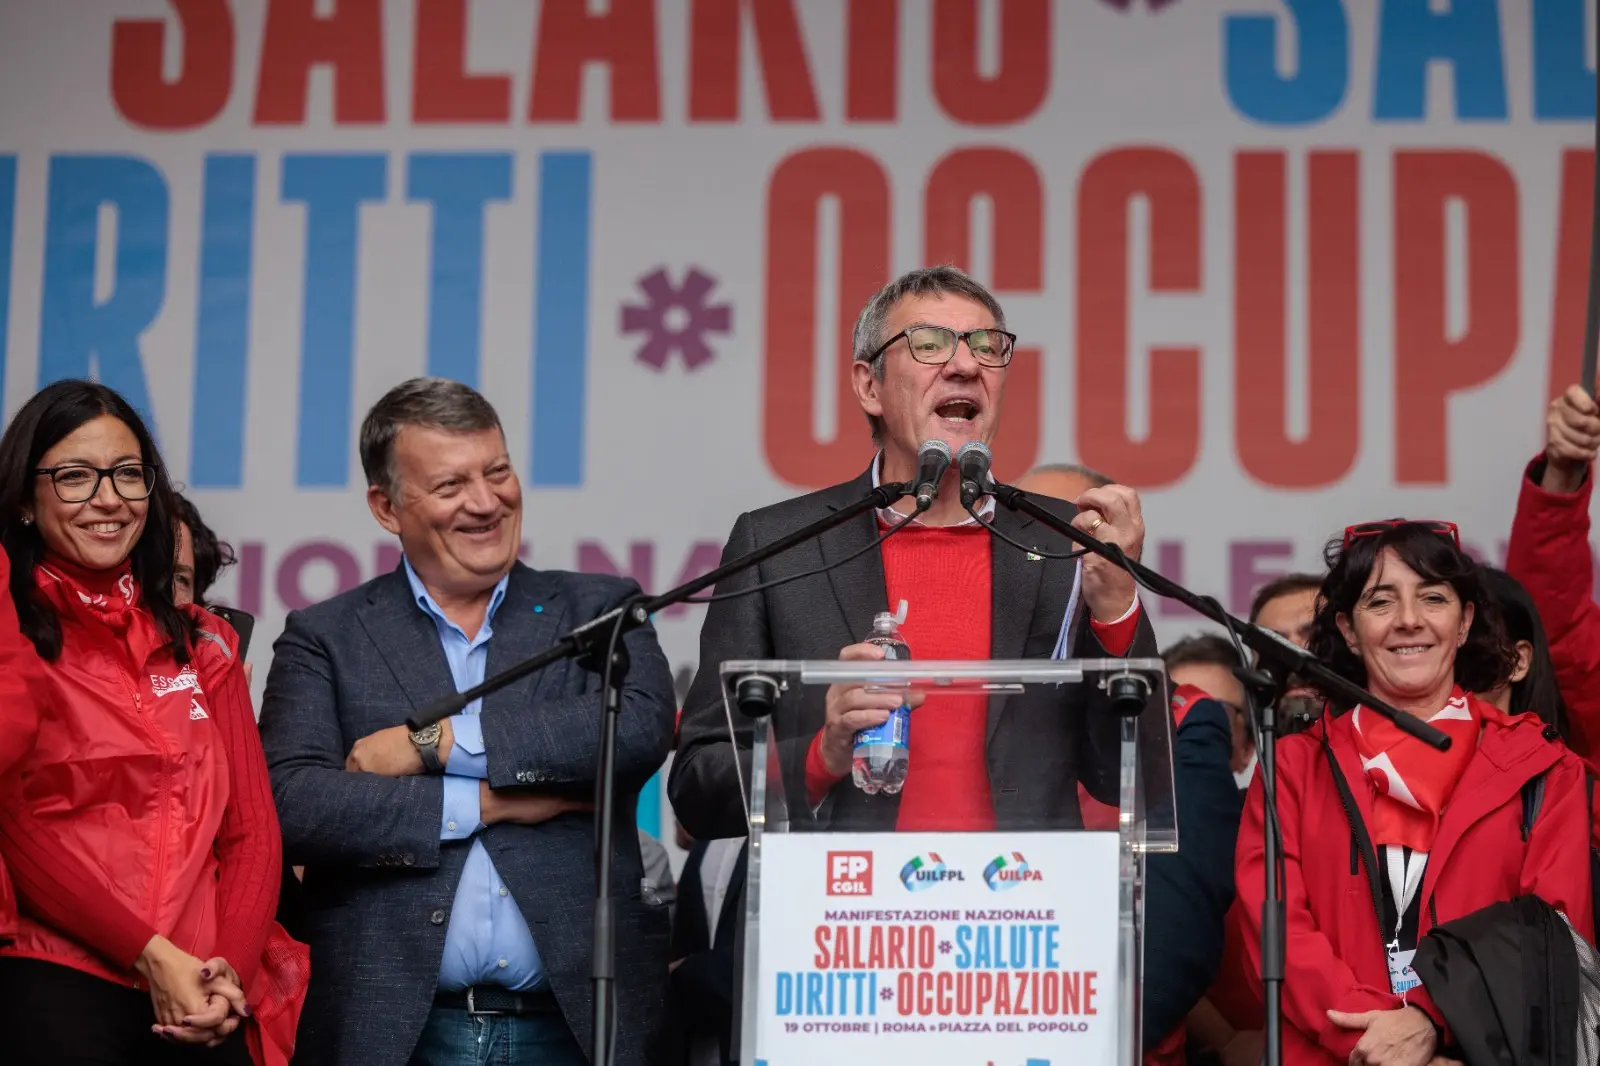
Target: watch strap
{"x":429,"y":752}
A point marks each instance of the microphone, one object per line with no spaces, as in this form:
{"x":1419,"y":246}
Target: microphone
{"x":973,"y":461}
{"x":933,"y":459}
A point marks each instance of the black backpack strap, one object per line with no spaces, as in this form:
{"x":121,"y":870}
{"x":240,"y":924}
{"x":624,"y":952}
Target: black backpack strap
{"x":1388,"y":920}
{"x":1532,"y":800}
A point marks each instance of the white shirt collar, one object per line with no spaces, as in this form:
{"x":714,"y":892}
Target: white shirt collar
{"x":889,"y":516}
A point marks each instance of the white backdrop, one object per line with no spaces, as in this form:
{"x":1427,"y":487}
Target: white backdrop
{"x":254,"y":217}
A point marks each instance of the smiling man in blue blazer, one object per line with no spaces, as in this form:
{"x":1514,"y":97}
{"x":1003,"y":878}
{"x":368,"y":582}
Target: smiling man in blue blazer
{"x":449,"y":878}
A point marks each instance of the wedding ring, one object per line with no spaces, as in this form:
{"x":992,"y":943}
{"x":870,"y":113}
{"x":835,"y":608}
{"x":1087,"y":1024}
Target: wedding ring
{"x":1096,"y":524}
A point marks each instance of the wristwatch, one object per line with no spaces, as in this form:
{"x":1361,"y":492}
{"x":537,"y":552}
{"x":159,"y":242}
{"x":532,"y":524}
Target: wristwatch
{"x":427,"y":741}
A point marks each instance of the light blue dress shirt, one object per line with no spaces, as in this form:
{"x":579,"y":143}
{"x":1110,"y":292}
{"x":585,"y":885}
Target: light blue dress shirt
{"x":488,"y":941}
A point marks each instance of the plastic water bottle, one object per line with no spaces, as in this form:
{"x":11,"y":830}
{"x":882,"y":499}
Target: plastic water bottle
{"x":883,"y":753}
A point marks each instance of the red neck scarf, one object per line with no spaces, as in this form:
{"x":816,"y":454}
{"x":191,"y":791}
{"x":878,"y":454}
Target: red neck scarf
{"x":107,"y":597}
{"x":1411,"y":781}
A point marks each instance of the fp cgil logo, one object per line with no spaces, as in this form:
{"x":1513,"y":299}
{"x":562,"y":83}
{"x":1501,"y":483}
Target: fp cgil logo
{"x":849,"y":873}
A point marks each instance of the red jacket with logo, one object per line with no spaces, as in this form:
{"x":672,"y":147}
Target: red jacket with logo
{"x":21,"y":689}
{"x":1336,"y":954}
{"x":144,"y":805}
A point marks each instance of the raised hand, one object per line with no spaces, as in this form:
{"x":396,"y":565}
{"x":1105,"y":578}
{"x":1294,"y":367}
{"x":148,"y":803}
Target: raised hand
{"x":1572,"y":436}
{"x":1110,"y":514}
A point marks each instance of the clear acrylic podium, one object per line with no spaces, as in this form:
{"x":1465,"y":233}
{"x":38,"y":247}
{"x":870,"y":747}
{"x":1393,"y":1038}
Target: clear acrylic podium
{"x":1019,"y":945}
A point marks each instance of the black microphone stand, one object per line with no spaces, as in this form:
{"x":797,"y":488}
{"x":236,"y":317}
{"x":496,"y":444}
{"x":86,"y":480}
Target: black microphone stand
{"x":598,"y":644}
{"x":1280,"y":659}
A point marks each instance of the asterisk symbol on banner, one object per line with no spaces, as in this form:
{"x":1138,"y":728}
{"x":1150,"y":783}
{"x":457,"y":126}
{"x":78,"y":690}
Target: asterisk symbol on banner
{"x":676,"y":319}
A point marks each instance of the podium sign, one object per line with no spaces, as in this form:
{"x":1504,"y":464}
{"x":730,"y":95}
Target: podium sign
{"x":934,"y":948}
{"x":1015,"y":946}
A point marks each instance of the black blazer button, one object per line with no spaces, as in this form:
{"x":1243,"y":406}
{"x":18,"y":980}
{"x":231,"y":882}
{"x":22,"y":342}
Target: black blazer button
{"x":437,"y":917}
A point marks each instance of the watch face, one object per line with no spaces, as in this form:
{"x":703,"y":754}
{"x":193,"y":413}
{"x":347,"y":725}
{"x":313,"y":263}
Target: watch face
{"x":427,"y":734}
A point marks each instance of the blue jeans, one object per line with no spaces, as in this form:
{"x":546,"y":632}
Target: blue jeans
{"x":452,"y":1037}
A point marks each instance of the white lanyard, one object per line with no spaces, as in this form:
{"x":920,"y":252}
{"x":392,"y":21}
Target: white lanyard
{"x":1405,"y":878}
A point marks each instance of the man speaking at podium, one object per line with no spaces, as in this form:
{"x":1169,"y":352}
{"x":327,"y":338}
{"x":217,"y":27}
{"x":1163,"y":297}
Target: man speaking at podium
{"x":931,"y":358}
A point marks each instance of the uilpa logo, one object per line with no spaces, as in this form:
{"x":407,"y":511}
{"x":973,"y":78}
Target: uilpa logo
{"x":849,"y":873}
{"x":1008,"y":871}
{"x":925,"y":871}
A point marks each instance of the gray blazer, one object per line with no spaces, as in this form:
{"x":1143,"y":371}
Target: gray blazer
{"x":1039,"y":744}
{"x":379,"y":883}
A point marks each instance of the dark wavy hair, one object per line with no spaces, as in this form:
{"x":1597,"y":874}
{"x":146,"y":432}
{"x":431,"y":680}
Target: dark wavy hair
{"x":50,"y":415}
{"x":1483,"y":663}
{"x":1537,"y":692}
{"x":212,"y":554}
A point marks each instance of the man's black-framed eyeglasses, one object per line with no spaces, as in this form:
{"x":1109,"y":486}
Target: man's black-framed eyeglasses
{"x":78,"y":483}
{"x":936,"y":345}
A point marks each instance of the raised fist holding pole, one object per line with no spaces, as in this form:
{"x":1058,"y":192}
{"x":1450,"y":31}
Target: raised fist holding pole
{"x":1572,"y":437}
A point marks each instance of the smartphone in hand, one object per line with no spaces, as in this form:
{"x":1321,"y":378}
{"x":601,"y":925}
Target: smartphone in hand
{"x":242,"y":623}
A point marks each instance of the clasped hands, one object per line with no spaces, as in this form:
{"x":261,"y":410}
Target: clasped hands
{"x":390,"y":753}
{"x":195,"y":1001}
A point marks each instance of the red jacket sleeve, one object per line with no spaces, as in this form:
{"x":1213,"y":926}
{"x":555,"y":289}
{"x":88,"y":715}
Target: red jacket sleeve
{"x":1315,"y":979}
{"x":19,"y":714}
{"x":249,"y":847}
{"x":1556,"y":867}
{"x":23,"y":688}
{"x":818,"y":779}
{"x":1549,"y":554}
{"x":59,"y":891}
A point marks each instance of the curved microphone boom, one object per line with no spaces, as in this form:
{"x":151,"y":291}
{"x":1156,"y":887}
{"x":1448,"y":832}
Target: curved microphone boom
{"x":933,"y":459}
{"x":972,"y":460}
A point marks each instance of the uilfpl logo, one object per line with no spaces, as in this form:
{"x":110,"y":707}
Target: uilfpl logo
{"x":849,"y":873}
{"x":925,"y":871}
{"x":1008,"y":871}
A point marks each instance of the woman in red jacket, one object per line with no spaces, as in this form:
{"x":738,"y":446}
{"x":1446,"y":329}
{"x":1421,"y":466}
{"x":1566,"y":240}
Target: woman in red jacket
{"x":1402,"y":613}
{"x":139,"y":830}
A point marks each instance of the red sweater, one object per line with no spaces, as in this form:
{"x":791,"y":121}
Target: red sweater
{"x":943,"y":573}
{"x":58,"y":890}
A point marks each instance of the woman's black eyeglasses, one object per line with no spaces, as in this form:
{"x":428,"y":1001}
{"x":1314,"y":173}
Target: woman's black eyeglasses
{"x":77,"y":483}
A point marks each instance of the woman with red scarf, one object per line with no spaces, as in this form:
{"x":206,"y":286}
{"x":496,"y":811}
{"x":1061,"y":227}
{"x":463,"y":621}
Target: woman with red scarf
{"x":139,"y":829}
{"x":1402,"y":613}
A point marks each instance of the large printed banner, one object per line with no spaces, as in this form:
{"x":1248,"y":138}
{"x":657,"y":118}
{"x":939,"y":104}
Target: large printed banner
{"x":945,"y":949}
{"x":1281,"y":264}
